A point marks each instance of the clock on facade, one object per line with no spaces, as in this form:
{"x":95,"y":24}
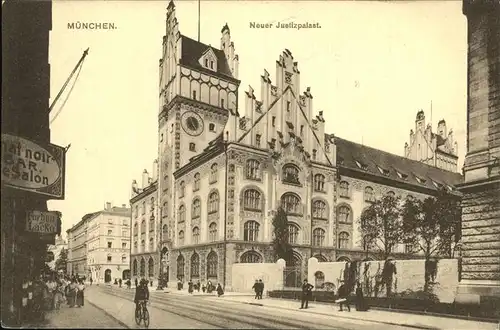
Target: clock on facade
{"x":192,"y":123}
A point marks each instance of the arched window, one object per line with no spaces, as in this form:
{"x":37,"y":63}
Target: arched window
{"x":291,"y":174}
{"x":124,"y":259}
{"x":214,"y":174}
{"x":369,"y":194}
{"x":182,"y":214}
{"x":251,"y":257}
{"x":391,"y":193}
{"x":252,"y":200}
{"x":180,"y":268}
{"x":182,"y":189}
{"x":344,"y":214}
{"x":319,"y":182}
{"x":212,"y":265}
{"x":252,"y":169}
{"x":151,"y":267}
{"x":212,"y":232}
{"x":251,"y":231}
{"x":165,"y":229}
{"x":143,"y":245}
{"x":319,"y":210}
{"x":181,"y":237}
{"x":136,"y":229}
{"x":344,"y":189}
{"x":291,"y":203}
{"x":343,"y":240}
{"x":143,"y":267}
{"x":151,"y":243}
{"x":143,"y":226}
{"x":195,"y":265}
{"x":152,"y":223}
{"x":321,"y":258}
{"x":213,"y":202}
{"x":197,"y":179}
{"x":196,"y":235}
{"x":318,"y":237}
{"x":319,"y":279}
{"x":293,"y":233}
{"x":134,"y":267}
{"x":196,"y":209}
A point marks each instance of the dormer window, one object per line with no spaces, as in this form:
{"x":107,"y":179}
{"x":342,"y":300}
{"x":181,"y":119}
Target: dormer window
{"x":420,"y":180}
{"x":206,"y":62}
{"x":437,"y":185}
{"x":361,"y":165}
{"x":211,"y":127}
{"x":402,"y":175}
{"x":192,"y":147}
{"x":212,"y":65}
{"x":383,"y":171}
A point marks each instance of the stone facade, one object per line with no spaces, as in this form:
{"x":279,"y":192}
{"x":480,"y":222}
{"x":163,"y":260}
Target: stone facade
{"x":481,"y":201}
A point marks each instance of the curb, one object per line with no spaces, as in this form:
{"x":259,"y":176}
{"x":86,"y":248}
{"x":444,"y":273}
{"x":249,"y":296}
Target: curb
{"x":108,"y":314}
{"x":344,"y":317}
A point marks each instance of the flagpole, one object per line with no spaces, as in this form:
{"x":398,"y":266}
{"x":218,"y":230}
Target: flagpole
{"x":199,"y":9}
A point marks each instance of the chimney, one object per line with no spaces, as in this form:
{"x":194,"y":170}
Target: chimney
{"x":145,"y":178}
{"x":108,"y":206}
{"x":134,"y":186}
{"x":155,"y":170}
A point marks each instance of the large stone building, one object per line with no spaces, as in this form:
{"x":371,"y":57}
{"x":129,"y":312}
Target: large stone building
{"x":481,"y":201}
{"x":145,"y":233}
{"x":222,"y":176}
{"x":99,"y":245}
{"x":436,"y":149}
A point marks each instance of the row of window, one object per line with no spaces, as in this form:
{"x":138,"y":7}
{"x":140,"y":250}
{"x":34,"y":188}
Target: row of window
{"x":110,"y":258}
{"x":152,"y":225}
{"x":369,"y":193}
{"x":211,"y":264}
{"x":110,"y":245}
{"x":143,"y":208}
{"x":197,"y":180}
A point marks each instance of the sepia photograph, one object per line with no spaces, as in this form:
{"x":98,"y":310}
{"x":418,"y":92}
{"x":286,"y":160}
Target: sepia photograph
{"x":250,"y":164}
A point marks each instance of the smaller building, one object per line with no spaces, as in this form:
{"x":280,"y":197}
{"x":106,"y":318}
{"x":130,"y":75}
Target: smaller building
{"x":435,"y":149}
{"x":55,"y":250}
{"x":99,"y":245}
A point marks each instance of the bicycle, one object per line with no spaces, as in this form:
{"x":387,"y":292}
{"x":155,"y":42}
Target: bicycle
{"x":142,"y":313}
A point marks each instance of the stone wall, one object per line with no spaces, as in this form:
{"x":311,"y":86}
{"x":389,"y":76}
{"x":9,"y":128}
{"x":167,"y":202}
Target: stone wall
{"x":409,"y":276}
{"x":244,"y":275}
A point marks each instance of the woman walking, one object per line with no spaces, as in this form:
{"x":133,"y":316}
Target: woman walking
{"x":79,"y":294}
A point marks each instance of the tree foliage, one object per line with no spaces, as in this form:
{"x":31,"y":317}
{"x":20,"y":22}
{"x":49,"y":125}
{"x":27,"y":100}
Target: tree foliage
{"x":381,"y":225}
{"x":281,"y":246}
{"x":62,"y":261}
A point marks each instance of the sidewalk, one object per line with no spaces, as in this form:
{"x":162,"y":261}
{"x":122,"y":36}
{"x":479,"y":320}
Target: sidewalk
{"x":201,"y":293}
{"x":378,"y":316}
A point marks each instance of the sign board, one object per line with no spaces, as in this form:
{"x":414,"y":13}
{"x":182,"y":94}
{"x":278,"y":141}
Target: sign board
{"x":34,"y":167}
{"x":42,"y":222}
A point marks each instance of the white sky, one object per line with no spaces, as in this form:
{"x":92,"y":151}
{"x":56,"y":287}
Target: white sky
{"x":402,"y":54}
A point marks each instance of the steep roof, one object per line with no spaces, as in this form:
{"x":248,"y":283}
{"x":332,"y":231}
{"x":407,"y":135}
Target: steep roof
{"x":192,"y":51}
{"x":348,"y":153}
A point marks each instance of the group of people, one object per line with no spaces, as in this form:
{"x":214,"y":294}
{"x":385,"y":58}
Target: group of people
{"x":343,"y":297}
{"x":208,"y":288}
{"x":258,"y":287}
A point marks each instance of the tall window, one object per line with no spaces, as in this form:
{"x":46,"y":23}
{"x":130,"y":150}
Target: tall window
{"x":135,"y":245}
{"x":319,"y":210}
{"x":134,"y":268}
{"x":143,"y":227}
{"x":143,"y":267}
{"x":136,"y":229}
{"x":344,"y":189}
{"x":182,"y":214}
{"x":291,"y":203}
{"x":195,"y":265}
{"x":257,"y":140}
{"x":318,"y":237}
{"x":143,"y":245}
{"x":213,"y":173}
{"x":212,"y":264}
{"x":144,"y":207}
{"x":151,"y":267}
{"x":251,"y":257}
{"x":252,"y":169}
{"x":251,"y":231}
{"x":293,"y":233}
{"x":196,"y":235}
{"x":369,"y":194}
{"x":291,"y":174}
{"x":252,"y":200}
{"x":136,"y":212}
{"x":196,"y":185}
{"x":151,"y":224}
{"x":181,"y":237}
{"x":152,"y":204}
{"x":110,"y":258}
{"x":319,"y":182}
{"x":314,"y":154}
{"x":213,"y":202}
{"x":180,"y":267}
{"x":182,"y":189}
{"x":151,"y":243}
{"x":343,"y":240}
{"x":196,"y":210}
{"x":212,"y":232}
{"x":344,"y":214}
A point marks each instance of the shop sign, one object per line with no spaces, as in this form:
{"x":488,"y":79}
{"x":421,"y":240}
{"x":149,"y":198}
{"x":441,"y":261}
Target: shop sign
{"x":42,"y":222}
{"x":34,"y":167}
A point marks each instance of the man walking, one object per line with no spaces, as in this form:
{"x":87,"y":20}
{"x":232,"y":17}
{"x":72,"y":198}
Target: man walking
{"x":306,"y":294}
{"x":261,"y":289}
{"x":343,"y":297}
{"x":256,"y":287}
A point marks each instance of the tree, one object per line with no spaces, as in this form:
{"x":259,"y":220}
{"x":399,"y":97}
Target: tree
{"x":449,"y":215}
{"x":281,"y":245}
{"x":381,"y":225}
{"x":62,"y":261}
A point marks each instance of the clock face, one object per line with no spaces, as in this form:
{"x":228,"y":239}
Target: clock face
{"x":192,"y":123}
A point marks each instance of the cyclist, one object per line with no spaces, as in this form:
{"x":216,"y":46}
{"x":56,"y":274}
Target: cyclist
{"x":141,"y":293}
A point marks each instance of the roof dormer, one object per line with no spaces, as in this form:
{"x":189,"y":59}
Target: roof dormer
{"x":208,"y":60}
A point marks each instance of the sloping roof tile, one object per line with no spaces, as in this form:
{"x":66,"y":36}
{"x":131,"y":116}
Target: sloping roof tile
{"x":192,"y":51}
{"x":350,"y":153}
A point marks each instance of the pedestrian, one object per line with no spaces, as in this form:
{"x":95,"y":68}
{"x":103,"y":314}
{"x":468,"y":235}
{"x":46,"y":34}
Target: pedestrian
{"x":343,"y":297}
{"x":120,"y":282}
{"x":256,"y":287}
{"x":79,"y":294}
{"x":190,"y":286}
{"x":136,"y":282}
{"x":151,"y":282}
{"x":198,"y":286}
{"x":203,"y":288}
{"x":306,"y":294}
{"x":91,"y":280}
{"x":361,"y":304}
{"x":220,"y":291}
{"x":261,"y":288}
{"x":72,"y":291}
